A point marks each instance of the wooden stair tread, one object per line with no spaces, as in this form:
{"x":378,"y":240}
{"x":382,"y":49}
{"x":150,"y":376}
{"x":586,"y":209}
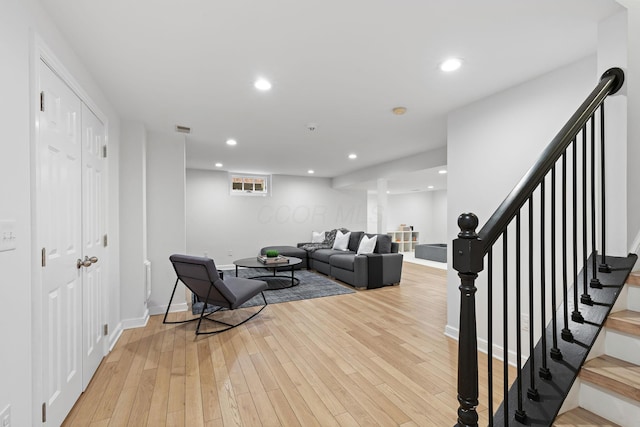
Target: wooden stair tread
{"x":613,"y":374}
{"x":627,"y":321}
{"x":634,"y":278}
{"x":580,"y":417}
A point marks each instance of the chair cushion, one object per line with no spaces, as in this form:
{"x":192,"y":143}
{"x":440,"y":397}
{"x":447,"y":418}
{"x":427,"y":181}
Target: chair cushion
{"x":244,"y":289}
{"x":354,"y":240}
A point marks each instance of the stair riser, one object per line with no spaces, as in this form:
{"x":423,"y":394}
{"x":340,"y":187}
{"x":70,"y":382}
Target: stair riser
{"x":622,"y":346}
{"x":609,"y":405}
{"x":633,"y":298}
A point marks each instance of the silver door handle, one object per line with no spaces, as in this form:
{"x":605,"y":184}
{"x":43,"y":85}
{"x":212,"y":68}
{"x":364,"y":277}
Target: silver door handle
{"x":86,"y":263}
{"x":93,"y":259}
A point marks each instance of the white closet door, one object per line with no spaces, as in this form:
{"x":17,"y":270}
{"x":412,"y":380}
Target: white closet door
{"x":59,"y":234}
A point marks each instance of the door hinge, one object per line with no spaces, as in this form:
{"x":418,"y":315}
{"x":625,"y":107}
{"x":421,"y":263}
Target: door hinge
{"x":42,"y":101}
{"x":104,"y":151}
{"x":44,"y":412}
{"x":106,"y":329}
{"x":44,"y":257}
{"x":104,"y":241}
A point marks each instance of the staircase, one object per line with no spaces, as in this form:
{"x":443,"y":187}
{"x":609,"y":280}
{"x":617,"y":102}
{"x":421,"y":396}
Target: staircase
{"x":608,"y":389}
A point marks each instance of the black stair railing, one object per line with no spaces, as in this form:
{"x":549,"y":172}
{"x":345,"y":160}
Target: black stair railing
{"x":532,"y":206}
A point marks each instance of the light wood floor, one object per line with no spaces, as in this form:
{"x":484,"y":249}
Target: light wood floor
{"x":372,"y":358}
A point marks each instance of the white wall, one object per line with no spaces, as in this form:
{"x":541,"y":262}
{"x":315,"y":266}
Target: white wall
{"x":218,"y":222}
{"x":133,"y":222}
{"x":633,"y":111}
{"x":493,"y":142}
{"x":166,"y":219}
{"x":426,"y":211}
{"x":19,"y":21}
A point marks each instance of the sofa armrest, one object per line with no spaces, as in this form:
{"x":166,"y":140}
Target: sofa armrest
{"x":391,"y":270}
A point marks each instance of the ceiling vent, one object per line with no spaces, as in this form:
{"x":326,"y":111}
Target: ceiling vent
{"x":183,"y":129}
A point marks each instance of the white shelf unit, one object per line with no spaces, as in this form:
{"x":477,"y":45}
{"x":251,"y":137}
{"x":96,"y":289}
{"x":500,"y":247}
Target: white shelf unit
{"x":406,"y":240}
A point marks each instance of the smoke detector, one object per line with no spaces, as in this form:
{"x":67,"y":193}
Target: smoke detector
{"x":312,"y":126}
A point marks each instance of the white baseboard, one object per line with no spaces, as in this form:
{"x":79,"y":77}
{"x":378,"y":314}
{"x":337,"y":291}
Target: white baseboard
{"x":114,"y":336}
{"x":483,"y":346}
{"x":161,"y":309}
{"x":136,"y":323}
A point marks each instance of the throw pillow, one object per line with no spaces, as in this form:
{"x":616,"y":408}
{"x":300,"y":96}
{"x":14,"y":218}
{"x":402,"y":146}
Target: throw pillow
{"x":317,"y":236}
{"x":342,"y":241}
{"x":367,"y":245}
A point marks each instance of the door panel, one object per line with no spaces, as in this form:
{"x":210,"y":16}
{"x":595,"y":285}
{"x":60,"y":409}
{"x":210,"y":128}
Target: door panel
{"x":94,"y":229}
{"x":59,"y":221}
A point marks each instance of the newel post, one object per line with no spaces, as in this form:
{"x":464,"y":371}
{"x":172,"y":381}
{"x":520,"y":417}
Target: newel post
{"x":468,"y":262}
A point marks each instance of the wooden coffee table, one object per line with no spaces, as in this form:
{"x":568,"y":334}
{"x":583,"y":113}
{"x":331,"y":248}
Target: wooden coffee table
{"x":254,"y":263}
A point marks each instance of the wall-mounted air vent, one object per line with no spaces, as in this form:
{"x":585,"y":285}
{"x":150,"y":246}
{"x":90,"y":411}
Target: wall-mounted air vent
{"x":183,"y":129}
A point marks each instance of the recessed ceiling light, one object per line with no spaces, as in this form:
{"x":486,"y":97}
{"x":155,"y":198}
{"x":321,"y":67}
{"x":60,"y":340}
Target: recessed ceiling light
{"x":218,"y":165}
{"x":262,"y":84}
{"x":398,"y":111}
{"x":311,"y":171}
{"x":231,"y":142}
{"x":442,"y":172}
{"x":451,"y":64}
{"x":353,"y":156}
{"x":430,"y":187}
{"x":388,"y":192}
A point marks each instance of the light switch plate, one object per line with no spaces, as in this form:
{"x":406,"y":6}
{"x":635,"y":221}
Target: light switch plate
{"x":8,"y":238}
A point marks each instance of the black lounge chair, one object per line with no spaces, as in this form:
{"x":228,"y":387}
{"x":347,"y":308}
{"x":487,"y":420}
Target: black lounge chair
{"x":201,"y":277}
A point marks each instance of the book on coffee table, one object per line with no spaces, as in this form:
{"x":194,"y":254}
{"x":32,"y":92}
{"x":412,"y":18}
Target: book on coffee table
{"x":273,"y":260}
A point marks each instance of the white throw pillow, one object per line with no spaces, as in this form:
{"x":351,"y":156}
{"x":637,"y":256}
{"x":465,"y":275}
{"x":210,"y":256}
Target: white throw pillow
{"x":367,"y":245}
{"x":317,"y":236}
{"x":342,"y":241}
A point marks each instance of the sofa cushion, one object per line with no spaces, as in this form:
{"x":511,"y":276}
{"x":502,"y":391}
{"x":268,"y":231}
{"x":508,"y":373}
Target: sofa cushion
{"x":317,"y":236}
{"x":354,"y":240}
{"x":341,"y":242}
{"x":367,"y":245}
{"x":343,"y":261}
{"x":323,"y":255}
{"x":383,"y":243}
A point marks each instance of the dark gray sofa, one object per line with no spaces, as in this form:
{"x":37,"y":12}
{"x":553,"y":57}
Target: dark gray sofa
{"x":381,"y":268}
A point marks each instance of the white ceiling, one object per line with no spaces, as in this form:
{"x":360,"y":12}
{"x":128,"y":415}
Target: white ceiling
{"x":342,"y":64}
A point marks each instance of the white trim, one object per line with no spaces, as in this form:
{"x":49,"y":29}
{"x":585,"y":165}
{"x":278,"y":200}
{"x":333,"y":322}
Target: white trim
{"x":498,"y":351}
{"x":635,"y":246}
{"x":140,"y":322}
{"x":161,"y":309}
{"x":114,"y":336}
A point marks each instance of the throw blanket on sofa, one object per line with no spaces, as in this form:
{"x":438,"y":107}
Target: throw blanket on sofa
{"x":329,"y":239}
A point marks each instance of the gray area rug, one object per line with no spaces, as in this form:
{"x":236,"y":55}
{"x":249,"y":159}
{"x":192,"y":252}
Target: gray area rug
{"x":312,"y":285}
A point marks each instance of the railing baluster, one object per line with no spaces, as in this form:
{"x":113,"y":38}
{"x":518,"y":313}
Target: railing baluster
{"x":505,"y":326}
{"x":576,"y":316}
{"x":532,"y":392}
{"x":585,"y":298}
{"x":604,"y":267}
{"x":567,"y":335}
{"x":544,"y":370}
{"x":555,"y":352}
{"x":490,"y":333}
{"x":595,"y":282}
{"x":521,"y":415}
